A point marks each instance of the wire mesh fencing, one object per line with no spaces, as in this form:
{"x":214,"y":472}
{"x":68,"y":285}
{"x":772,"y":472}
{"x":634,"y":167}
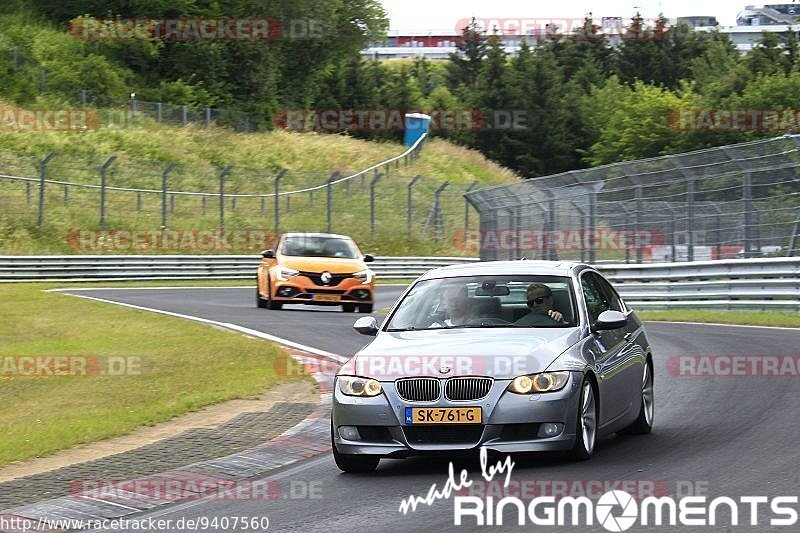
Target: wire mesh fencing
{"x":726,"y":202}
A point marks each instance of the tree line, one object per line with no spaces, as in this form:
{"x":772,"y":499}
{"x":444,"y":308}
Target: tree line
{"x":585,"y":100}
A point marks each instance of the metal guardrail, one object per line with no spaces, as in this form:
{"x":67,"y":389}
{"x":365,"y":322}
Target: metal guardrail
{"x":730,"y":284}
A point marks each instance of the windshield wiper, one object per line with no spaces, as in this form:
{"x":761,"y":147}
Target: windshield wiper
{"x":410,"y":328}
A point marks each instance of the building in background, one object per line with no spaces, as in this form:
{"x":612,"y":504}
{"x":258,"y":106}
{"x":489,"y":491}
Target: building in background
{"x":751,"y":22}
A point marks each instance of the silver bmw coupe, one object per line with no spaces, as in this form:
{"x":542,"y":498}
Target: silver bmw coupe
{"x":513,"y":356}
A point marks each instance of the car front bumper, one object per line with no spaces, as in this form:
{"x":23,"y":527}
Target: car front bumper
{"x":511,"y":422}
{"x":302,"y":290}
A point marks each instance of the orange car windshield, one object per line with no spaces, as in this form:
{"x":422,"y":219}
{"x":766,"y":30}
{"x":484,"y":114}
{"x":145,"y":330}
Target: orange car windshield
{"x":318,"y":247}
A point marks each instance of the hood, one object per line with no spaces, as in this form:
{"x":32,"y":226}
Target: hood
{"x":320,"y":264}
{"x":502,"y":353}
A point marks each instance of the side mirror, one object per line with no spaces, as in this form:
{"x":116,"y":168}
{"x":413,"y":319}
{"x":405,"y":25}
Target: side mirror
{"x":268,"y":254}
{"x":609,"y":320}
{"x":366,"y":325}
{"x":368,"y":258}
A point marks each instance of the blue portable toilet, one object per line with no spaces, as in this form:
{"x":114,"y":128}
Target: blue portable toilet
{"x":416,"y":125}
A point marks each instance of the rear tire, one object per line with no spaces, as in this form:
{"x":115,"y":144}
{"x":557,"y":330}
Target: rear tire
{"x":365,"y":308}
{"x":644,"y":423}
{"x":586,"y":423}
{"x":349,"y":308}
{"x":353,"y":463}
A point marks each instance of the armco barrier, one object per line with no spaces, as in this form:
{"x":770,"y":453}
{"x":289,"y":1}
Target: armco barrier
{"x":730,"y":284}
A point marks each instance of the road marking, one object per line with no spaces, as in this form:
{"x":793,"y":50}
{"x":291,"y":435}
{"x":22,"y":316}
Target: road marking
{"x":226,"y":325}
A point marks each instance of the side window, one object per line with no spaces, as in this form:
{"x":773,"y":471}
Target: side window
{"x":611,"y":296}
{"x":596,"y":301}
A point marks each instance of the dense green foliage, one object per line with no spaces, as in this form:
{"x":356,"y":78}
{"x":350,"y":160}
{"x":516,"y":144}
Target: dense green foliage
{"x":584,"y":100}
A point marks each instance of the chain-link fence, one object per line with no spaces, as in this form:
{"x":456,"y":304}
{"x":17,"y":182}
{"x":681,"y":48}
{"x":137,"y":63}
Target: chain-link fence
{"x":50,"y":197}
{"x":726,"y":202}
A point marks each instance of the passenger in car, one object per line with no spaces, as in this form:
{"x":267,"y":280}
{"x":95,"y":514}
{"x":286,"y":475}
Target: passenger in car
{"x":542,"y":310}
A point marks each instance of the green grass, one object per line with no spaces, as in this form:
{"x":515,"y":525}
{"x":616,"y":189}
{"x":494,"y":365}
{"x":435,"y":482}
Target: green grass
{"x":144,"y":151}
{"x":185,"y":366}
{"x":746,"y":318}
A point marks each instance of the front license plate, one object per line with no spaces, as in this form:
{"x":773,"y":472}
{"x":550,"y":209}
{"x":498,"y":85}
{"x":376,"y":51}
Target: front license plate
{"x":327,"y":297}
{"x":443,"y":415}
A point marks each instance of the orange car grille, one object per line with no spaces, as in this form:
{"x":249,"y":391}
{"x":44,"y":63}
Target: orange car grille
{"x":316,"y":278}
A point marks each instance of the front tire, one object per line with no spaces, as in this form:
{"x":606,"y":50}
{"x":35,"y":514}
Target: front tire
{"x":353,"y":463}
{"x":272,"y":304}
{"x":261,"y":303}
{"x":349,"y":308}
{"x":644,"y":423}
{"x":365,"y":308}
{"x":586,"y":423}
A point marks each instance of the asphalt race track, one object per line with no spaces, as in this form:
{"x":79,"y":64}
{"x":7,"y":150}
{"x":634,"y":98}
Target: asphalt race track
{"x":722,"y":436}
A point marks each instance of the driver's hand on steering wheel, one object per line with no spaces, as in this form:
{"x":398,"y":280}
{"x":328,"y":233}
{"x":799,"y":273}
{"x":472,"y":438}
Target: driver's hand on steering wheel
{"x":555,"y":315}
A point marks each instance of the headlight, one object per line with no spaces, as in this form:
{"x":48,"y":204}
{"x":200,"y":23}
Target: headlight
{"x":354,"y":386}
{"x":286,"y":273}
{"x":535,"y":383}
{"x":366,"y":275}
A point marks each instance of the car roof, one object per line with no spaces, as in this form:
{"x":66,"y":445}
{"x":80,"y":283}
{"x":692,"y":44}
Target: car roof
{"x":499,"y":268}
{"x":313,"y":234}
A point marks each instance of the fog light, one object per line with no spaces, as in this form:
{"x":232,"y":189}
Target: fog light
{"x":550,"y":430}
{"x":285,"y":291}
{"x":349,"y":433}
{"x":361,"y":294}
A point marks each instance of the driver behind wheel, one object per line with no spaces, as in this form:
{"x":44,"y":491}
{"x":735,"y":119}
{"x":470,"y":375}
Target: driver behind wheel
{"x":542,"y":310}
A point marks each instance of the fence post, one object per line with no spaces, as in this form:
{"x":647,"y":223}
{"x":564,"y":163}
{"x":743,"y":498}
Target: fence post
{"x":438,"y":223}
{"x":42,"y":79}
{"x":638,"y":228}
{"x":262,"y":204}
{"x":747,"y":201}
{"x":222,"y":175}
{"x":330,"y":197}
{"x":133,"y":106}
{"x":103,"y":171}
{"x":372,"y":203}
{"x":83,"y":97}
{"x":208,"y":117}
{"x":42,"y":177}
{"x":277,"y":201}
{"x":184,"y":116}
{"x":592,"y":241}
{"x":138,"y":201}
{"x":15,"y":58}
{"x":164,"y":194}
{"x":466,"y":204}
{"x":66,"y":195}
{"x":410,"y":204}
{"x":158,"y":112}
{"x":203,"y":202}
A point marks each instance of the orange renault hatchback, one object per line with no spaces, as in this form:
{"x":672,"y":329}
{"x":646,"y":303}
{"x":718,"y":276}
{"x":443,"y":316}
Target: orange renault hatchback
{"x":316,"y":269}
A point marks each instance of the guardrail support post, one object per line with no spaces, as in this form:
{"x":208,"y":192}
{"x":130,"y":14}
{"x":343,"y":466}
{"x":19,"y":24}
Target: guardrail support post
{"x":103,"y":171}
{"x":225,"y":172}
{"x":281,"y":173}
{"x":164,"y":194}
{"x":410,"y":203}
{"x":42,"y":178}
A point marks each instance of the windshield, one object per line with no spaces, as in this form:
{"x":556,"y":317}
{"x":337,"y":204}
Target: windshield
{"x":317,"y":246}
{"x":487,"y":301}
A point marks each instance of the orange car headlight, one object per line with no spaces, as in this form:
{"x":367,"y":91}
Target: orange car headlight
{"x":285,"y":273}
{"x":365,"y":275}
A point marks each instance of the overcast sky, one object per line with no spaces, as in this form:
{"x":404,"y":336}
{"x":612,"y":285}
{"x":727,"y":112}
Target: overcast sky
{"x":421,"y":15}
